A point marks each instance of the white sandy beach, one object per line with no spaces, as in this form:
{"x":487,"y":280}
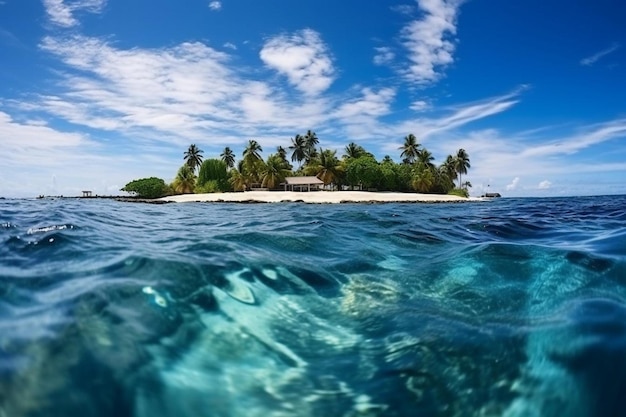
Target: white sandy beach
{"x":319,"y":197}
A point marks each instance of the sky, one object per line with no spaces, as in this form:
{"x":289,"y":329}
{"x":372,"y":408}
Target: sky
{"x":96,"y":93}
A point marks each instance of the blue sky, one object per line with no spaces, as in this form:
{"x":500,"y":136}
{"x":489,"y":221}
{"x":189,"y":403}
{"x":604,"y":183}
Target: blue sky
{"x":95,"y":93}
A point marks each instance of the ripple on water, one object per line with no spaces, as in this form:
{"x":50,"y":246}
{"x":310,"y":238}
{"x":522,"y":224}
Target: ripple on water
{"x":511,"y":307}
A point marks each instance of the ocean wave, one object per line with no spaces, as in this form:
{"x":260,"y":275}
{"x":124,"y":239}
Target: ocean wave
{"x":511,"y":307}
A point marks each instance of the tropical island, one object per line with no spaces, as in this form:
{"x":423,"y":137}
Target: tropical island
{"x":356,"y":175}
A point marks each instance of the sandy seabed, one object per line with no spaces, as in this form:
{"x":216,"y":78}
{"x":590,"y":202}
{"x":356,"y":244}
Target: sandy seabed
{"x":319,"y":197}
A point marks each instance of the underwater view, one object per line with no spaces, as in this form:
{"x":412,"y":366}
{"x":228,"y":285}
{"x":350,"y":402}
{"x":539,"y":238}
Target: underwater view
{"x":510,"y":307}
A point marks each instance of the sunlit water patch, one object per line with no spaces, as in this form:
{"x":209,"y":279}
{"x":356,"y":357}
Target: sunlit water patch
{"x":504,"y":308}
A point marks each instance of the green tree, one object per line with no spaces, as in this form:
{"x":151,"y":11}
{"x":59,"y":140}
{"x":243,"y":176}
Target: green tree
{"x":274,"y":171}
{"x":252,"y":151}
{"x":461,"y":163}
{"x":228,"y":157}
{"x":252,"y":161}
{"x":409,"y":149}
{"x":193,"y":157}
{"x":423,"y":178}
{"x":147,"y":188}
{"x":215,"y":172}
{"x":388,"y":175}
{"x":363,"y":171}
{"x":444,"y":179}
{"x":298,"y":149}
{"x":310,"y":143}
{"x":354,"y":151}
{"x":449,"y":168}
{"x":326,"y":167}
{"x":282,"y":154}
{"x":426,"y":158}
{"x":404,"y":174}
{"x":238,"y":180}
{"x":387,"y":160}
{"x":185,"y":180}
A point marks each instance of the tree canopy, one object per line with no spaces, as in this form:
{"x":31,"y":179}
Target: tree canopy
{"x":193,"y":157}
{"x":151,"y":187}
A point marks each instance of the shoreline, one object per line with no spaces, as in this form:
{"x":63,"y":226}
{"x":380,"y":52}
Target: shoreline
{"x":317,"y":197}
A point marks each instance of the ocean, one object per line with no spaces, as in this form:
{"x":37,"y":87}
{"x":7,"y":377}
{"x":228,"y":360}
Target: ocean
{"x":511,"y":307}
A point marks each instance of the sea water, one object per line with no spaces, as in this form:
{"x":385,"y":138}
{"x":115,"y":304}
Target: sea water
{"x":511,"y":307}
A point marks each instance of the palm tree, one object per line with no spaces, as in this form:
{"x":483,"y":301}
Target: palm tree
{"x":185,"y":180}
{"x":238,"y":180}
{"x":326,"y":166}
{"x":280,"y":151}
{"x":461,"y":163}
{"x":409,"y":149}
{"x":387,"y":160}
{"x":310,"y":144}
{"x":423,"y":178}
{"x":193,"y":157}
{"x":448,"y":167}
{"x":445,"y":175}
{"x":253,"y":150}
{"x":425,"y":157}
{"x":311,"y":154}
{"x":273,"y":171}
{"x":252,"y":161}
{"x":298,"y":148}
{"x":282,"y":154}
{"x":354,"y":151}
{"x":228,"y":157}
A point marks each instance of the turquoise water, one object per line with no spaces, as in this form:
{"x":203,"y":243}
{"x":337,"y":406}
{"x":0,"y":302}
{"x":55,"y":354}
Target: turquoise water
{"x":513,"y":307}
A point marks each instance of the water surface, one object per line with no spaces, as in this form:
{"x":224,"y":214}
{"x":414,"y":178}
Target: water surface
{"x":514,"y":307}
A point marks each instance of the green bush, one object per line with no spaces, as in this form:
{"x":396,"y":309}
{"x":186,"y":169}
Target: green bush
{"x":148,"y":188}
{"x":459,"y":192}
{"x":211,"y":186}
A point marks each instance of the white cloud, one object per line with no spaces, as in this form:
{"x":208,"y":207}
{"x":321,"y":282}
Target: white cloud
{"x":187,"y":92}
{"x":460,"y":115}
{"x":419,"y":105}
{"x":544,"y":185}
{"x":493,"y":153}
{"x":36,"y":134}
{"x":230,"y":45}
{"x":592,"y":135}
{"x":590,"y":60}
{"x":177,"y":90}
{"x":61,"y":12}
{"x":384,"y":55}
{"x":430,"y":40}
{"x":303,"y":58}
{"x":215,"y":5}
{"x":513,"y":185}
{"x":371,"y":103}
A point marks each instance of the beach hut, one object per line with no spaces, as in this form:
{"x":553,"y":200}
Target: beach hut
{"x":302,"y":183}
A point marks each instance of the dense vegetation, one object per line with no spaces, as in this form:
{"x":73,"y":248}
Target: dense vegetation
{"x":148,"y":188}
{"x":355,"y":169}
